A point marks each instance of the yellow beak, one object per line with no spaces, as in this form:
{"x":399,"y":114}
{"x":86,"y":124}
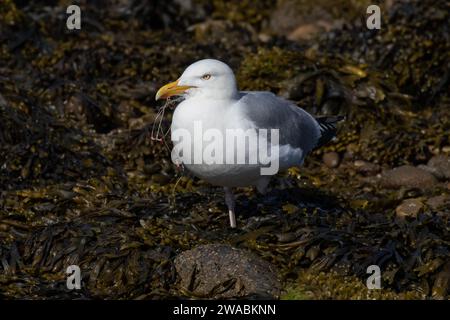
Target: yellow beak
{"x":171,"y":89}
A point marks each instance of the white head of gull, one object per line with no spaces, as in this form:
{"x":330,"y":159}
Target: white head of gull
{"x":212,"y":107}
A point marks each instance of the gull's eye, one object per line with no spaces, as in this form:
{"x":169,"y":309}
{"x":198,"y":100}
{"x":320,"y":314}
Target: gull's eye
{"x":206,"y":76}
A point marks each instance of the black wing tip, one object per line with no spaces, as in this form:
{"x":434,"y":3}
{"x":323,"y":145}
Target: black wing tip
{"x":328,"y":128}
{"x":331,"y":119}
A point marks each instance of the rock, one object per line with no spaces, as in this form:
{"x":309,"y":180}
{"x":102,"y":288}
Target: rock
{"x":409,"y":208}
{"x":439,"y":201}
{"x":220,"y":271}
{"x":284,"y":18}
{"x":441,"y":165}
{"x":366,"y":168}
{"x":331,"y":159}
{"x":308,"y":30}
{"x":290,"y":19}
{"x":431,"y":170}
{"x":407,"y":176}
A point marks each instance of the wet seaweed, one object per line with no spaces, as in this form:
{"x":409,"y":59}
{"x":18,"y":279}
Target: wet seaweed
{"x":83,"y":182}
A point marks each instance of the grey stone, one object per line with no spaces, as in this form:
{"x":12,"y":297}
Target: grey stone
{"x":366,"y":168}
{"x":409,"y":208}
{"x":331,"y":159}
{"x":441,"y":165}
{"x":220,"y":271}
{"x":408,"y":176}
{"x":438,"y":202}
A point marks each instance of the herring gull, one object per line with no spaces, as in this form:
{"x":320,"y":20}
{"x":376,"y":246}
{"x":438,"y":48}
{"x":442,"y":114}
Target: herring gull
{"x":212,"y":103}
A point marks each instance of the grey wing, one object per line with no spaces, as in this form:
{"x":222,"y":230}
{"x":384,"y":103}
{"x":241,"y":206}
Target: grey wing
{"x":297,"y":127}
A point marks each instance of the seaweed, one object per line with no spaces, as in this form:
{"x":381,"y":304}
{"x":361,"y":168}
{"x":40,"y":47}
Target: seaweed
{"x":82,"y":182}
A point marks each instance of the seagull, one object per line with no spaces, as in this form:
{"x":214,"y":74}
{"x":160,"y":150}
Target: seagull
{"x":210,"y":98}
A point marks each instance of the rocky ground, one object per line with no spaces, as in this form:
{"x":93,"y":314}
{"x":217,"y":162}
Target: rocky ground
{"x":81,"y":181}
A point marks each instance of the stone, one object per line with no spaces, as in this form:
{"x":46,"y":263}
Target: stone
{"x":366,"y":168}
{"x":331,"y":159}
{"x":431,"y":170}
{"x":438,"y":202}
{"x":409,"y":208}
{"x":441,"y":164}
{"x":293,"y":22}
{"x":407,"y":176}
{"x":309,"y":30}
{"x":220,"y":271}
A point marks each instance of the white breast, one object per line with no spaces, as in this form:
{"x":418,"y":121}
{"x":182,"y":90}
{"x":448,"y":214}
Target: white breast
{"x":220,"y":115}
{"x":217,"y":116}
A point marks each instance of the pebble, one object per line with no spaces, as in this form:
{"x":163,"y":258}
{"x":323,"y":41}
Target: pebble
{"x":441,"y":164}
{"x":431,"y":170}
{"x":408,"y":176}
{"x":409,"y":208}
{"x":220,"y":271}
{"x":331,"y":159}
{"x":438,"y":202}
{"x":289,"y":20}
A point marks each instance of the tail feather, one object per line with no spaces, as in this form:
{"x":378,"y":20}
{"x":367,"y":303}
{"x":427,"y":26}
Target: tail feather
{"x":328,"y":128}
